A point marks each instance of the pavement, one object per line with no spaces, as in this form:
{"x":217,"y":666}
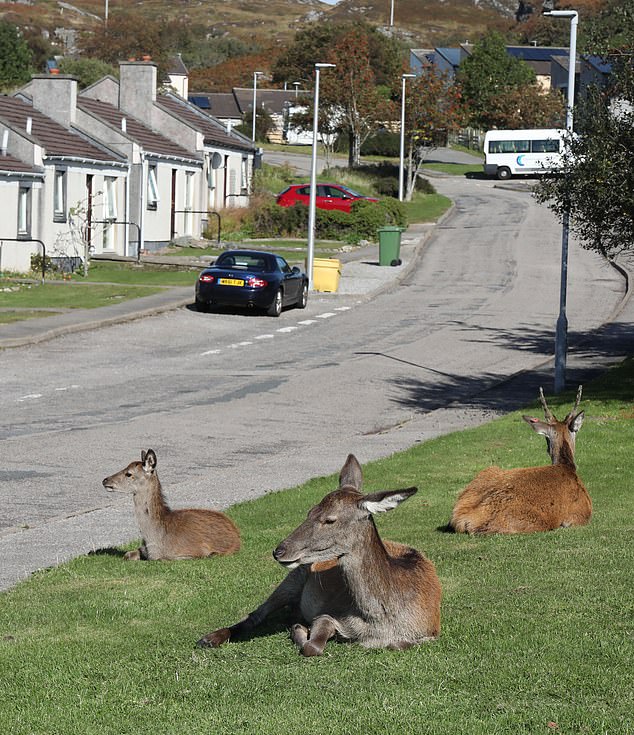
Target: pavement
{"x":361,"y":276}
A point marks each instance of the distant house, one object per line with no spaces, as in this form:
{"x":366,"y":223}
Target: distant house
{"x":178,"y":76}
{"x":235,"y":107}
{"x":70,"y":179}
{"x":542,"y":59}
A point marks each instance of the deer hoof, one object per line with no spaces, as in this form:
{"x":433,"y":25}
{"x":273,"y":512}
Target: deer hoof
{"x":311,"y":649}
{"x":215,"y":639}
{"x":134,"y":555}
{"x":299,"y":634}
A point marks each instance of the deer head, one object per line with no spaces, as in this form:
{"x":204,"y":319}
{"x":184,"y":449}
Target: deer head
{"x":339,"y":522}
{"x":135,"y":476}
{"x":560,"y":435}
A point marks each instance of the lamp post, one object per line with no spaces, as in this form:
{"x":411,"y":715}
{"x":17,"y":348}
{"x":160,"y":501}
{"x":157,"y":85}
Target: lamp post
{"x":391,"y":13}
{"x":401,"y":165}
{"x":313,"y":176}
{"x":256,"y":74}
{"x":561,"y":331}
{"x":296,"y":85}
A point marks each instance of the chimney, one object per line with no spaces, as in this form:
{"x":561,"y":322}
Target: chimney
{"x":137,"y":89}
{"x":56,"y":96}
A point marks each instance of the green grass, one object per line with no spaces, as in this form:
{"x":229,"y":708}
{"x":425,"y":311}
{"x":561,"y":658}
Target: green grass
{"x":293,"y":250}
{"x":426,"y":207}
{"x":538,"y":630}
{"x":133,"y":274}
{"x":7,"y":317}
{"x":455,"y":169}
{"x":71,"y":295}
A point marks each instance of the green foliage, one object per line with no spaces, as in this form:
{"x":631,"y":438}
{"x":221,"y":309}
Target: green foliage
{"x":596,"y":185}
{"x":488,"y":74}
{"x":536,"y":638}
{"x":15,"y":58}
{"x":87,"y":71}
{"x":382,"y":143}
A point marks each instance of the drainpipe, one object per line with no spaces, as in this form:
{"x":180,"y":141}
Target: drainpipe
{"x":144,"y":180}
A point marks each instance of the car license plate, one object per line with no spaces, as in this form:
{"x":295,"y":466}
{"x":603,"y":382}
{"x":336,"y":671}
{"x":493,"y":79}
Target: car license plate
{"x":231,"y":282}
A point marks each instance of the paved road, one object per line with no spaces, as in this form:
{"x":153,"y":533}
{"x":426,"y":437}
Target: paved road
{"x":239,"y":406}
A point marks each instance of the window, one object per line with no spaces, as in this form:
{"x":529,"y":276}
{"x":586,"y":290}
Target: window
{"x":244,"y":176}
{"x":110,"y":198}
{"x":24,"y":211}
{"x":59,"y":195}
{"x":109,"y":212}
{"x":152,"y":188}
{"x":509,"y":146}
{"x":545,"y":146}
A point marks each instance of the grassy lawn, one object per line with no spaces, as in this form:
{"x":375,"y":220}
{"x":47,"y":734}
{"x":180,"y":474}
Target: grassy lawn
{"x":455,"y":169}
{"x":132,"y":274}
{"x":70,"y":295}
{"x":538,"y":630}
{"x":6,"y":317}
{"x":293,"y":250}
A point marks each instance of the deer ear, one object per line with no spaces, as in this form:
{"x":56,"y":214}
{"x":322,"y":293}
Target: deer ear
{"x":149,"y":461}
{"x":351,"y":474}
{"x":538,"y":426}
{"x":576,"y":422}
{"x":386,"y":500}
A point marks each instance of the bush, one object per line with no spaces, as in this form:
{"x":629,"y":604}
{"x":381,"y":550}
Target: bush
{"x":383,"y":143}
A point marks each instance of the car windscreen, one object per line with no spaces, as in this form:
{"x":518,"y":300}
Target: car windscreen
{"x":352,"y":192}
{"x":248,"y":261}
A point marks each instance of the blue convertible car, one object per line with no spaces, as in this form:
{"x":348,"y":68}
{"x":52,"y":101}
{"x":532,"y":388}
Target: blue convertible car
{"x":251,"y":279}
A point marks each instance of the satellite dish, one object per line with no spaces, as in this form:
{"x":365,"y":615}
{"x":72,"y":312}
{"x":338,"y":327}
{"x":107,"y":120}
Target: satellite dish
{"x":216,"y":160}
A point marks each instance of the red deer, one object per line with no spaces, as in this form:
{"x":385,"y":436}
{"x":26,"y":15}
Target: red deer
{"x":532,"y":498}
{"x":187,"y":533}
{"x":346,"y":581}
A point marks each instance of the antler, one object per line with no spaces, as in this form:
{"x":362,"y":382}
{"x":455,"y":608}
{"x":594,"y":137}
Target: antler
{"x":547,"y":412}
{"x":573,"y":410}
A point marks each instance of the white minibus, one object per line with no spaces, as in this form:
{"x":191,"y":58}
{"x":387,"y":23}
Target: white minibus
{"x":508,"y":152}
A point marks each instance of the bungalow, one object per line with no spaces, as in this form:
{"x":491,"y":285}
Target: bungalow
{"x":69,"y":183}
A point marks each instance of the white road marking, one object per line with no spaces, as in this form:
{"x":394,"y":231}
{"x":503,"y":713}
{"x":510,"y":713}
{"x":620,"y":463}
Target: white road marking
{"x":286,"y":330}
{"x":326,"y":315}
{"x":210,"y":352}
{"x":306,"y":322}
{"x":30,"y":397}
{"x":342,"y":308}
{"x":265,"y":336}
{"x":67,"y":387}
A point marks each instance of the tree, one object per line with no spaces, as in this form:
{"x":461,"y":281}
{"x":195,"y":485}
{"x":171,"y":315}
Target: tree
{"x":15,"y":58}
{"x":596,"y":184}
{"x":433,"y":108}
{"x":488,"y":74}
{"x":87,"y":71}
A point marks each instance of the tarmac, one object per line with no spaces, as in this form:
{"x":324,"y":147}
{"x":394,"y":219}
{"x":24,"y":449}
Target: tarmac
{"x":361,"y":276}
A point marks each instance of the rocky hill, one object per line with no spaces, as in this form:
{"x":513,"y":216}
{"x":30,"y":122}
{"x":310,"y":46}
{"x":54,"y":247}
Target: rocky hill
{"x":418,"y":22}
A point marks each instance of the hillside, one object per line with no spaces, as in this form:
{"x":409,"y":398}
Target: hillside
{"x":418,"y":22}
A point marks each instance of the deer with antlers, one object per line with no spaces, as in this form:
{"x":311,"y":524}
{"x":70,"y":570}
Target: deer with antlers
{"x":531,"y":498}
{"x":345,"y":581}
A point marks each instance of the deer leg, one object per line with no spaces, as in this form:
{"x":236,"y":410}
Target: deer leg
{"x":287,"y":593}
{"x":134,"y":555}
{"x":323,"y":629}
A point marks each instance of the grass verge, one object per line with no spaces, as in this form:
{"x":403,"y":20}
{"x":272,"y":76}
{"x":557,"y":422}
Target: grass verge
{"x":538,"y":630}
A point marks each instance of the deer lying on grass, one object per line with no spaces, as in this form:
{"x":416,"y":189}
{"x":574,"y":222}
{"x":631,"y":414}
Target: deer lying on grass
{"x":346,"y":581}
{"x":533,"y":498}
{"x":187,"y":533}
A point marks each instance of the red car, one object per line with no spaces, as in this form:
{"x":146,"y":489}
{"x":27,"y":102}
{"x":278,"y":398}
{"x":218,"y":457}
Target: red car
{"x":329,"y":196}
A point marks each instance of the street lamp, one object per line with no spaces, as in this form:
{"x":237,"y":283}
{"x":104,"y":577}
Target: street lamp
{"x":296,"y":85}
{"x":256,"y":74}
{"x":391,"y":13}
{"x":401,"y":166}
{"x":313,"y":176}
{"x":561,"y":332}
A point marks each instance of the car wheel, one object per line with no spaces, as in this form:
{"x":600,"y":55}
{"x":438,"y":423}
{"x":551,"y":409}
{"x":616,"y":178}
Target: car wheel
{"x":303,"y":298}
{"x":201,"y":306}
{"x":504,"y":173}
{"x":275,"y":309}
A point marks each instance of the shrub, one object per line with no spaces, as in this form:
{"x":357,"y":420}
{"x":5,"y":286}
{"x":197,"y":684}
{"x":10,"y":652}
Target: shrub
{"x":383,"y":143}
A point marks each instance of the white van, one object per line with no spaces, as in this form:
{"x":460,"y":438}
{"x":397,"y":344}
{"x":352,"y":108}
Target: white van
{"x":508,"y":152}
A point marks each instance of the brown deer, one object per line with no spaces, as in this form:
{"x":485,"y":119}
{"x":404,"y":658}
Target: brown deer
{"x":532,"y":498}
{"x":346,"y":581}
{"x":187,"y":533}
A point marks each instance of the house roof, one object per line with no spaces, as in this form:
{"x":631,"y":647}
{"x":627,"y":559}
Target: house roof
{"x":273,"y":100}
{"x":177,"y":66}
{"x":151,"y":141}
{"x":214,"y":132}
{"x":218,"y":104}
{"x":15,"y":165}
{"x":53,"y":137}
